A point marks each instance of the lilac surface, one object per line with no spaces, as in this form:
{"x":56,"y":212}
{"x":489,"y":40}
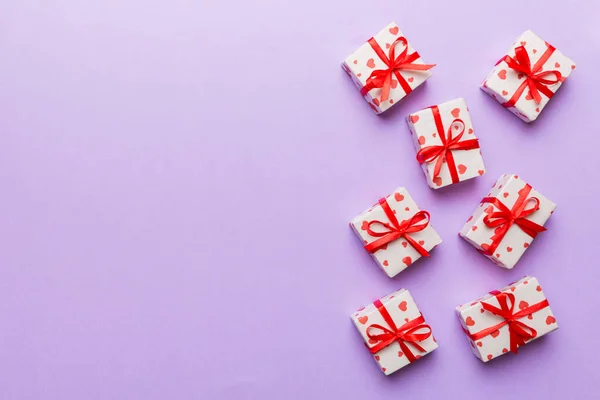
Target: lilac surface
{"x":178,"y":178}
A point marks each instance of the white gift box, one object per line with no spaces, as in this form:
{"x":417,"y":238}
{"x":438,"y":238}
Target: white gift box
{"x":408,"y":340}
{"x":514,"y":193}
{"x":489,"y":334}
{"x":374,"y":224}
{"x":447,"y":123}
{"x":365,"y":60}
{"x":503,"y":82}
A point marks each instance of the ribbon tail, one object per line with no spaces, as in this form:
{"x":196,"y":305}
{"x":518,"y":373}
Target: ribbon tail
{"x":407,"y":352}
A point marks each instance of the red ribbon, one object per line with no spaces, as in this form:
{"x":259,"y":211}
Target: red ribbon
{"x":444,"y":152}
{"x":395,"y":230}
{"x":504,"y":218}
{"x":406,"y":334}
{"x":382,"y":78}
{"x":520,"y":333}
{"x":535,"y":78}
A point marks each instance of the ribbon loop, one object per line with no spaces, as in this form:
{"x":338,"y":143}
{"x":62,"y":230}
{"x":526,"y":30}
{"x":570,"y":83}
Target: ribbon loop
{"x":395,"y":229}
{"x":441,"y":153}
{"x":382,"y":78}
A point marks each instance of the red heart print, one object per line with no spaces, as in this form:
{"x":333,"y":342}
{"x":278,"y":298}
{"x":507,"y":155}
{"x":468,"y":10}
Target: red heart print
{"x":385,"y":263}
{"x":371,"y":63}
{"x":505,"y":350}
{"x":383,"y":369}
{"x":482,"y":310}
{"x":359,"y":74}
{"x":421,"y":140}
{"x":394,"y":30}
{"x":479,"y":344}
{"x":414,"y":119}
{"x":495,"y":333}
{"x":525,"y":282}
{"x":489,"y":209}
{"x":550,"y":320}
{"x":489,"y":357}
{"x":481,"y":172}
{"x":470,"y":132}
{"x":376,"y":101}
{"x":556,"y":65}
{"x":474,"y":228}
{"x":538,"y":288}
{"x":530,"y":316}
{"x":537,"y":109}
{"x":502,"y":74}
{"x":497,"y":255}
{"x":572,"y":67}
{"x":504,"y":92}
{"x":528,"y":96}
{"x":469,"y":321}
{"x":355,"y":61}
{"x":363,"y":320}
{"x":364,"y":226}
{"x":512,"y":289}
{"x":462,"y":169}
{"x":404,"y":244}
{"x":406,"y":319}
{"x":470,"y":218}
{"x":438,"y":181}
{"x":391,"y":101}
{"x":421,"y":242}
{"x":434,"y":134}
{"x":509,"y":249}
{"x":523,"y":304}
{"x":407,"y":261}
{"x":523,"y":43}
{"x":377,"y":358}
{"x":516,"y":176}
{"x":394,"y":84}
{"x":403,"y":306}
{"x":411,"y":79}
{"x":406,"y":209}
{"x":505,"y":195}
{"x":455,"y":112}
{"x":526,"y":245}
{"x":534,"y":51}
{"x":387,"y":45}
{"x":398,"y":197}
{"x":400,"y":354}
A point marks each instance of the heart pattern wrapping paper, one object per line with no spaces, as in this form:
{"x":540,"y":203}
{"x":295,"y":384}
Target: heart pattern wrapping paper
{"x":397,"y":255}
{"x":436,"y":126}
{"x":364,"y":61}
{"x":506,"y":250}
{"x":504,"y":82}
{"x":524,"y":296}
{"x":403,"y":310}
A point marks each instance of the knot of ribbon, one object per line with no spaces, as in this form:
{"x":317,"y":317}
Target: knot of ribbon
{"x":535,"y":79}
{"x":394,"y":230}
{"x":443,"y":152}
{"x":412,"y":332}
{"x":519,"y":332}
{"x":504,"y":218}
{"x":382,"y":78}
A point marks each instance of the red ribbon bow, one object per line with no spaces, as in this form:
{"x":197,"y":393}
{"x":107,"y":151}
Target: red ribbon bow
{"x":395,"y":230}
{"x":444,"y":152}
{"x":520,"y":333}
{"x":534,"y":76}
{"x":382,"y":78}
{"x":406,"y":334}
{"x":504,"y":218}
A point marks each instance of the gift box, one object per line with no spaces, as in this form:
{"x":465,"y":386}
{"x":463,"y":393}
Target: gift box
{"x":394,"y":331}
{"x":447,"y":147}
{"x":505,"y":319}
{"x":526,"y":78}
{"x":507,"y":220}
{"x":386,"y":68}
{"x":396,"y":232}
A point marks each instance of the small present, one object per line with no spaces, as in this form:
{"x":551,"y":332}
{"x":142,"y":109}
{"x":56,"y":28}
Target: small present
{"x":505,"y":319}
{"x":526,"y":78}
{"x":386,"y":68}
{"x":507,"y":220}
{"x":396,"y":232}
{"x":394,"y":331}
{"x":447,"y":147}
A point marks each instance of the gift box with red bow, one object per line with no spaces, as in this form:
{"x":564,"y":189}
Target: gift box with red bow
{"x":386,"y":68}
{"x":507,"y":220}
{"x":394,"y":331}
{"x":447,"y":147}
{"x":526,"y":78}
{"x":396,"y":232}
{"x":505,"y":319}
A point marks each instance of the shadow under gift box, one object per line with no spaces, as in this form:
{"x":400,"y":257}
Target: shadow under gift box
{"x":395,"y":331}
{"x":503,"y":320}
{"x":386,"y":56}
{"x":529,"y":61}
{"x":503,"y":227}
{"x":402,"y":250}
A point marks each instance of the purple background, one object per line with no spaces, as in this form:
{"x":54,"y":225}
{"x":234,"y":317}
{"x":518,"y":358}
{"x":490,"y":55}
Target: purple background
{"x":177,"y":178}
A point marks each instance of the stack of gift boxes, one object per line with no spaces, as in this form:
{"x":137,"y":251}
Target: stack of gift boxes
{"x":397,"y":233}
